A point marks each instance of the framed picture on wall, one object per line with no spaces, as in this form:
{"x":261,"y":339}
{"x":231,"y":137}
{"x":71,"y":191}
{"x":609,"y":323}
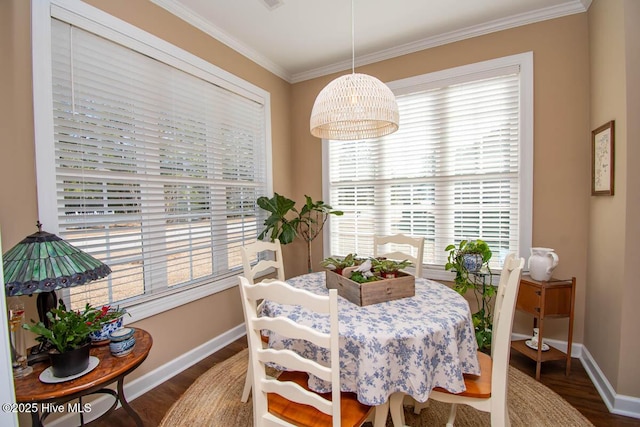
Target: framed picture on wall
{"x":602,"y":164}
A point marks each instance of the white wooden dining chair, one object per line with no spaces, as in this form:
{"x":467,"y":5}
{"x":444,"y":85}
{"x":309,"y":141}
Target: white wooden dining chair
{"x":251,"y":252}
{"x":415,"y":245}
{"x":287,"y":400}
{"x":273,"y":259}
{"x":488,"y":391}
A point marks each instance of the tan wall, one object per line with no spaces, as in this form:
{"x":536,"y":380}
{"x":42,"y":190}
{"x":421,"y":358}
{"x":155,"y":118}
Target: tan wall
{"x":18,"y":204}
{"x":606,"y":233}
{"x":561,"y":132}
{"x":18,"y":211}
{"x":613,"y":293}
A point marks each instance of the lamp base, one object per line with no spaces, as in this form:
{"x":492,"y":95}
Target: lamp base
{"x":21,"y":371}
{"x":38,"y":353}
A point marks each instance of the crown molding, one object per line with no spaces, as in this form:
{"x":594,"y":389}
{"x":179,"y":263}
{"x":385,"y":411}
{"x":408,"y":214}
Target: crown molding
{"x":202,"y":24}
{"x":569,"y":8}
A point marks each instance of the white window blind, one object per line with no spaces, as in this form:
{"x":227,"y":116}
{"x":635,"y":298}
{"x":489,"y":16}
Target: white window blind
{"x":451,"y":172}
{"x":157,"y":170}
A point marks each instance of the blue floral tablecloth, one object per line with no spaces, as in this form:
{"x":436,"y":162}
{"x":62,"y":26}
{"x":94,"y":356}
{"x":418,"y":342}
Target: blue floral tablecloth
{"x":409,"y":345}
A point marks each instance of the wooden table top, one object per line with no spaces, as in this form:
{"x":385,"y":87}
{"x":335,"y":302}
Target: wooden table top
{"x":109,"y":369}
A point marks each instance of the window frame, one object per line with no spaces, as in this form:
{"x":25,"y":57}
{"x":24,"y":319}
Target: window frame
{"x":525,"y":62}
{"x":94,"y":20}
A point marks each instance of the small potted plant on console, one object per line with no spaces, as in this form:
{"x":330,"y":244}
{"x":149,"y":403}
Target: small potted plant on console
{"x":68,"y":333}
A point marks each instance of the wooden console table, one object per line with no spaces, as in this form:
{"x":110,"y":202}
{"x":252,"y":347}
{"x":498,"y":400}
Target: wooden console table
{"x":37,"y":396}
{"x":552,"y":299}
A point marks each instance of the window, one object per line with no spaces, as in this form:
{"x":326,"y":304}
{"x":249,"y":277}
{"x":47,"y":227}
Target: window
{"x":458,"y":168}
{"x":152,"y":162}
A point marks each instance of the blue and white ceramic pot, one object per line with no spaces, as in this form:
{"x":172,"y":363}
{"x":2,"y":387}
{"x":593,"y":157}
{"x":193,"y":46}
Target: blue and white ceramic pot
{"x":472,"y":262}
{"x":102,"y":336}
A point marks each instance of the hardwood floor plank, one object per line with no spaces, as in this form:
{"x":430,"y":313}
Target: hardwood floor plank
{"x":576,"y":388}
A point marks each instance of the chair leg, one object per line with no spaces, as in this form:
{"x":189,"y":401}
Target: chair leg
{"x":500,"y":418}
{"x":452,"y":415}
{"x":248,"y":381}
{"x":397,"y":409}
{"x":380,"y":414}
{"x":419,"y":406}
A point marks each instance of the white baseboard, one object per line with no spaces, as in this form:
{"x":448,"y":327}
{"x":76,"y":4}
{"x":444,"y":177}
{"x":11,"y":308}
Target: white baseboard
{"x":619,"y":404}
{"x":141,"y":385}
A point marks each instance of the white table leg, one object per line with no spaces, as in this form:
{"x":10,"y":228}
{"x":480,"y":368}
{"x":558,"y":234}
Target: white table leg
{"x":382,"y":411}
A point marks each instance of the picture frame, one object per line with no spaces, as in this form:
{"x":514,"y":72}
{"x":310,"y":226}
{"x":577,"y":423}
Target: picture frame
{"x":602,"y":159}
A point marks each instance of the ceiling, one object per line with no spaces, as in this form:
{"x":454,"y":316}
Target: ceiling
{"x":302,"y":39}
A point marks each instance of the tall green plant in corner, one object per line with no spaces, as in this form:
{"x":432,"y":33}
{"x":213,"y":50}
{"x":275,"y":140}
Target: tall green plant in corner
{"x":285,"y":222}
{"x":470,"y":262}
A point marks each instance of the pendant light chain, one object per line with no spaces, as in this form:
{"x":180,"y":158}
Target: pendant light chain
{"x":353,"y":40}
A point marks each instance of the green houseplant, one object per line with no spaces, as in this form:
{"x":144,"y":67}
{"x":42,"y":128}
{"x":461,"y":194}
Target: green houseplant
{"x":340,"y":264}
{"x":369,"y":270}
{"x":388,"y":268}
{"x":111,"y":319}
{"x":470,"y":262}
{"x":286,"y":222}
{"x":68,"y":332}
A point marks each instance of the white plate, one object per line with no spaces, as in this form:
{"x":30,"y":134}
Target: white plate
{"x":535,"y":346}
{"x":47,"y":375}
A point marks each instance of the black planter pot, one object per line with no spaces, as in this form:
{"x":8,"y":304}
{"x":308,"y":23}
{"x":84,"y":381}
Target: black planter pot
{"x":70,"y":362}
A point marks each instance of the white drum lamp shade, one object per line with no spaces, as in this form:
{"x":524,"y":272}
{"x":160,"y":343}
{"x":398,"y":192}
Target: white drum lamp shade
{"x":354,"y":106}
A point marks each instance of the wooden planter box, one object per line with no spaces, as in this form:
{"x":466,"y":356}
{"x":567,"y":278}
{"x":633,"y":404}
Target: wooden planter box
{"x":372,"y":292}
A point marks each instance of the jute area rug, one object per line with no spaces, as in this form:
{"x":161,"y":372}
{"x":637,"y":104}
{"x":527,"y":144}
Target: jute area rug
{"x":214,"y":400}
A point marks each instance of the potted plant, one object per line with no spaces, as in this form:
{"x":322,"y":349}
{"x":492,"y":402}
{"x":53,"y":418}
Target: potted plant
{"x":285,"y":222}
{"x":470,"y":262}
{"x":68,"y":333}
{"x":388,"y":268}
{"x":362,"y":272}
{"x":339,"y":264}
{"x":111,"y":320}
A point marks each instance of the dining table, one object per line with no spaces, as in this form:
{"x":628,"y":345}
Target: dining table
{"x":406,"y":346}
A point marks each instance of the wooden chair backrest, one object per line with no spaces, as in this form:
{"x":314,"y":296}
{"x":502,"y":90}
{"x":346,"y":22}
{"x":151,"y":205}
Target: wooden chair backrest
{"x":274,"y":260}
{"x":283,"y":293}
{"x":414,"y":244}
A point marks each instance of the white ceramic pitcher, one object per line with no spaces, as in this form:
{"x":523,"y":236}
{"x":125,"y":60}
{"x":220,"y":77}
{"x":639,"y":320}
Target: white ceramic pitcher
{"x":541,"y":263}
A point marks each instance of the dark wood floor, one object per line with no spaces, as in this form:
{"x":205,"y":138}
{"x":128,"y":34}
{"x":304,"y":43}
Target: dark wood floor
{"x":577,"y":389}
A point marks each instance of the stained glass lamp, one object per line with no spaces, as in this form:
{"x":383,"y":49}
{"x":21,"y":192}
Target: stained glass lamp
{"x":43,"y":263}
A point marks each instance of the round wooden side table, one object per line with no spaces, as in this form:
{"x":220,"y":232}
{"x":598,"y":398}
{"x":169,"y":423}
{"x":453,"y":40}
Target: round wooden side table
{"x":37,"y":397}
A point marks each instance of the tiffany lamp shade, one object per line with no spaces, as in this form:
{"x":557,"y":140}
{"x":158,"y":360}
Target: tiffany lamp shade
{"x":42,"y":263}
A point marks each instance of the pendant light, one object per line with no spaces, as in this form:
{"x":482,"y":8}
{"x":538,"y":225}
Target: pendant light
{"x":354,"y":106}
